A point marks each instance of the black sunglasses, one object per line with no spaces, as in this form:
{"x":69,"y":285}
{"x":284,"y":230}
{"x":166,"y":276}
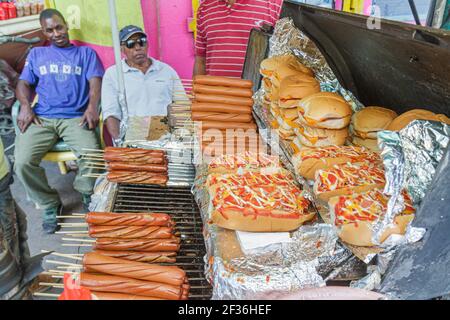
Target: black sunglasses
{"x":130,"y":44}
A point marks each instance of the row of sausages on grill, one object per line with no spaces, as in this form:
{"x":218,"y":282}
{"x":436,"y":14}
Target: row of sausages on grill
{"x":143,"y":237}
{"x":109,"y":277}
{"x":127,"y":251}
{"x":136,"y":166}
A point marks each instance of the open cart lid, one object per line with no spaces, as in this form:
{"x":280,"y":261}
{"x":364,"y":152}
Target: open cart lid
{"x":399,"y":66}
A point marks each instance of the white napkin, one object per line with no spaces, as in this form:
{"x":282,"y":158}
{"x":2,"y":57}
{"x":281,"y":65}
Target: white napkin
{"x":252,"y":242}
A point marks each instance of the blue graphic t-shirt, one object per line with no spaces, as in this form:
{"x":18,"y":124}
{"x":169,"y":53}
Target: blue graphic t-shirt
{"x":61,"y":77}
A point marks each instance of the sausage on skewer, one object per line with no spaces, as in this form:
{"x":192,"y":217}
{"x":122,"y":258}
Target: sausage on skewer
{"x":125,"y":166}
{"x":115,"y":284}
{"x":95,"y":263}
{"x":147,"y":257}
{"x":149,"y":245}
{"x":129,"y":219}
{"x":146,"y":178}
{"x":133,"y":232}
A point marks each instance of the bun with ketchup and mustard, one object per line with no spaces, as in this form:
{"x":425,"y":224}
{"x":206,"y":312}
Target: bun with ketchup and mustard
{"x":356,"y":217}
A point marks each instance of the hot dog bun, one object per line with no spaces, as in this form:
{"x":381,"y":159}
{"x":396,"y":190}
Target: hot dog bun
{"x":347,"y":179}
{"x":359,"y":231}
{"x":237,"y":221}
{"x":309,"y":160}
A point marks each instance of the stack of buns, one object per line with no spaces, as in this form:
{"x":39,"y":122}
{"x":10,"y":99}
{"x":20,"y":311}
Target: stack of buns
{"x":367,"y":123}
{"x":324,"y":119}
{"x":286,"y":82}
{"x":303,"y":114}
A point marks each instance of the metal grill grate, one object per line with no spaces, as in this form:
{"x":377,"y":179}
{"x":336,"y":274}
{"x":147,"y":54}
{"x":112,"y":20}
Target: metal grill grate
{"x":180,"y":204}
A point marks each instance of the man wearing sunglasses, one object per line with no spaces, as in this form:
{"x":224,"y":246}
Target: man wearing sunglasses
{"x":149,"y":84}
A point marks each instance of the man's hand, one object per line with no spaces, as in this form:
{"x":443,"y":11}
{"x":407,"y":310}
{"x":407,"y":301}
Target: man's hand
{"x":90,"y":118}
{"x":26,"y":118}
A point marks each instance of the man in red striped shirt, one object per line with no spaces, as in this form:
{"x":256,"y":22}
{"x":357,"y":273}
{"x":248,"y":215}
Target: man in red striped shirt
{"x":223,"y":31}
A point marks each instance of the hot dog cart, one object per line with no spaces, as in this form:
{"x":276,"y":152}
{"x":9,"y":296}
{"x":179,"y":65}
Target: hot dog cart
{"x":398,"y":66}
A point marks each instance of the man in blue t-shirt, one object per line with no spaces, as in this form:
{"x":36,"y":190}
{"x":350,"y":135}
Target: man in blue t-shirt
{"x":67,"y":81}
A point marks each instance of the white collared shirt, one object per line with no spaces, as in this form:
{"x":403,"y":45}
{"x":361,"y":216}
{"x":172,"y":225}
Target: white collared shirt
{"x":147,"y":94}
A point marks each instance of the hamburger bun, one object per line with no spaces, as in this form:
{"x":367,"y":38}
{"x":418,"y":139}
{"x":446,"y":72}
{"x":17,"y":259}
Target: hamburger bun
{"x":267,"y":84}
{"x":293,"y":68}
{"x":406,"y":118}
{"x":296,"y":145}
{"x":318,"y":138}
{"x":371,"y":144}
{"x":287,"y":125}
{"x":289,"y":114}
{"x":286,"y":134}
{"x":270,"y":65}
{"x":275,"y":110}
{"x":369,"y":121}
{"x":297,"y":87}
{"x":325,"y":110}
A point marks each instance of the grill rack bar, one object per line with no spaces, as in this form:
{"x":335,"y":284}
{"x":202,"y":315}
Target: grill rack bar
{"x":180,"y":204}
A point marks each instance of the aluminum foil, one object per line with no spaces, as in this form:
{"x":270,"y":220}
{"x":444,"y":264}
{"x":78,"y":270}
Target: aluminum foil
{"x":287,"y":39}
{"x":103,"y":197}
{"x":375,"y":272}
{"x":410,"y":157}
{"x":124,"y":123}
{"x":253,"y":278}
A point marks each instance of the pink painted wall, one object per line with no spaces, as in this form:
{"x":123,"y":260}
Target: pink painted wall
{"x":166,"y":23}
{"x":175,"y":42}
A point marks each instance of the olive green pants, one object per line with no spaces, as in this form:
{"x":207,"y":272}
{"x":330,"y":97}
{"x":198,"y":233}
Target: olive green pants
{"x":36,"y":142}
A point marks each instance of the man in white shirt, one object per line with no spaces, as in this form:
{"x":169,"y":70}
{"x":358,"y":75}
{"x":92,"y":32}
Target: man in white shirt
{"x":150,"y":85}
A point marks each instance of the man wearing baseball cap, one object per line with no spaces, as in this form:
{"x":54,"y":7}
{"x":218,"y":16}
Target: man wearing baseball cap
{"x":149,"y":84}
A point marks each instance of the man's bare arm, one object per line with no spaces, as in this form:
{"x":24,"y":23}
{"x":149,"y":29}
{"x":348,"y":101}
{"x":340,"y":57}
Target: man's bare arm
{"x":26,"y":115}
{"x":113,"y":126}
{"x":200,"y":66}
